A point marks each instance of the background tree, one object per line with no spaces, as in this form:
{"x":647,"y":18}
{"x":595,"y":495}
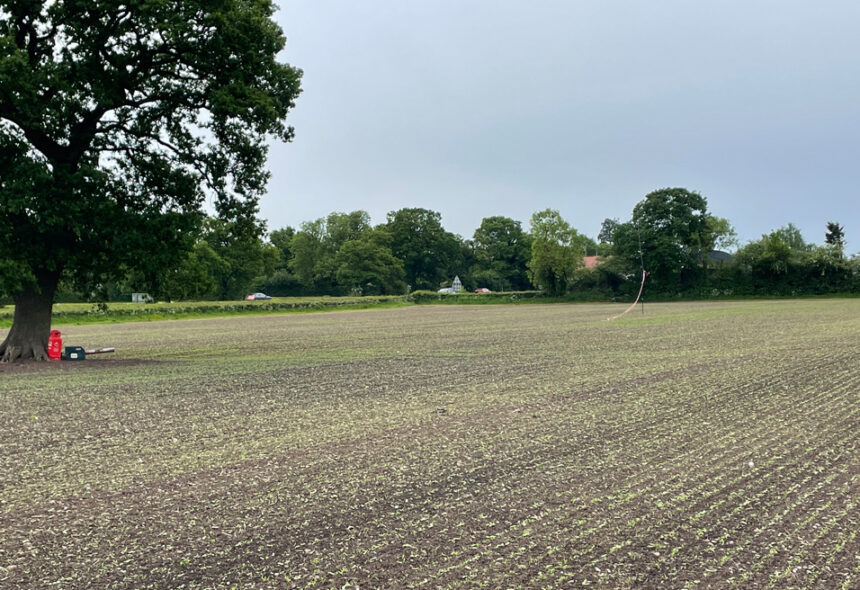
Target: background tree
{"x":345,"y":227}
{"x":367,"y":266}
{"x":225,"y":263}
{"x":502,"y":251}
{"x":835,"y":236}
{"x":308,"y":255}
{"x":768,"y":258}
{"x":314,"y":248}
{"x":556,"y":252}
{"x":430,"y":254}
{"x":282,"y":282}
{"x":607,"y":228}
{"x":116,"y":122}
{"x":281,"y":239}
{"x":591,"y":248}
{"x":243,"y":256}
{"x":467,"y":262}
{"x":720,"y":234}
{"x":783,"y":263}
{"x":196,"y":277}
{"x":668,"y":233}
{"x":792,"y":236}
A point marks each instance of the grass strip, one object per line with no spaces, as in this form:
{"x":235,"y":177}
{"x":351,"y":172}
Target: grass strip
{"x":86,"y":313}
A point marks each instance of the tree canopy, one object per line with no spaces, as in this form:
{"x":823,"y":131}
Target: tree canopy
{"x":607,"y":228}
{"x":118,"y":121}
{"x":502,"y":250}
{"x":368,"y":267}
{"x":835,"y":235}
{"x":557,"y":251}
{"x":783,"y":262}
{"x":429,"y":253}
{"x":668,"y":234}
{"x":314,"y":248}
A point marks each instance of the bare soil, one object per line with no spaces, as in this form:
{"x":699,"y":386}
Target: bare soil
{"x":699,"y":446}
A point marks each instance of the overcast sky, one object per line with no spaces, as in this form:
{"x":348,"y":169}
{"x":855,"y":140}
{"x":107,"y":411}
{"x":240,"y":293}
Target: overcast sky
{"x":476,"y":108}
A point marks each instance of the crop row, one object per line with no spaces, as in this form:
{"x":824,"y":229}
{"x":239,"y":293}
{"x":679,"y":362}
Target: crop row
{"x":529,"y":446}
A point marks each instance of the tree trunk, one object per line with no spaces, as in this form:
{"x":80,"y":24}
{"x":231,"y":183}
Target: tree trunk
{"x":31,"y":325}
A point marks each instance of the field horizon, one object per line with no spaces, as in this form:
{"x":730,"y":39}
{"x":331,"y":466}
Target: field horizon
{"x":696,"y":445}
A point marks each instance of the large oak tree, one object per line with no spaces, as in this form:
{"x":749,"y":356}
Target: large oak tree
{"x":670,"y":235}
{"x":119,"y":120}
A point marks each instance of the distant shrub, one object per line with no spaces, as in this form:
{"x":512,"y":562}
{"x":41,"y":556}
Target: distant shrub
{"x":476,"y":298}
{"x":282,"y":284}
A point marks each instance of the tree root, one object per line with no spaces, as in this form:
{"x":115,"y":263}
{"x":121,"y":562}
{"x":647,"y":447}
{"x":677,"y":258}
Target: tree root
{"x":9,"y":354}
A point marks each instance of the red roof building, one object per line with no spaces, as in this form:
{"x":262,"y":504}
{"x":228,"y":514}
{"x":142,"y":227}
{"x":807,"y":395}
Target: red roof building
{"x":591,"y":261}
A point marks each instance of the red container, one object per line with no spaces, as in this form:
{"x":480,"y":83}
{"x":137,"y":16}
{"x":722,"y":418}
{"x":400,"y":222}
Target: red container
{"x":55,"y":345}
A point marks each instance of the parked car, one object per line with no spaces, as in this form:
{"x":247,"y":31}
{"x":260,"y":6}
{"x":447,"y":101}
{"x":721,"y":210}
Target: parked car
{"x":446,"y":290}
{"x":257,"y":297}
{"x":483,"y":290}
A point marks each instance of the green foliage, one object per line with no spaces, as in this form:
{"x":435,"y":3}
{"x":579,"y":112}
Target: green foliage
{"x":608,"y":281}
{"x":607,"y":228}
{"x":308,"y":253}
{"x":792,"y":237}
{"x":426,"y":297}
{"x":368,"y":266}
{"x":281,"y":239}
{"x":835,"y":235}
{"x":502,"y":250}
{"x":344,"y":227}
{"x":669,"y":234}
{"x":119,"y":120}
{"x":224,"y":264}
{"x":720,"y":234}
{"x":771,"y":256}
{"x":556,"y":252}
{"x":314,"y":248}
{"x":243,"y":256}
{"x":604,"y":250}
{"x":853,"y":266}
{"x":196,"y":278}
{"x":782,"y":262}
{"x":281,"y":283}
{"x":591,"y":247}
{"x":429,"y":253}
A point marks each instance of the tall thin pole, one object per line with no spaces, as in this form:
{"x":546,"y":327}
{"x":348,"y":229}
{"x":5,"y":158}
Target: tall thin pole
{"x":642,"y":263}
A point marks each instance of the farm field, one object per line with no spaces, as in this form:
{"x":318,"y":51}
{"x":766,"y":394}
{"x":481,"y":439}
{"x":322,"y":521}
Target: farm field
{"x":698,"y":445}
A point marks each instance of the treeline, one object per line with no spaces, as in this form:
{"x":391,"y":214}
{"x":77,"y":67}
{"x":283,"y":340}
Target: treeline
{"x":671,"y":235}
